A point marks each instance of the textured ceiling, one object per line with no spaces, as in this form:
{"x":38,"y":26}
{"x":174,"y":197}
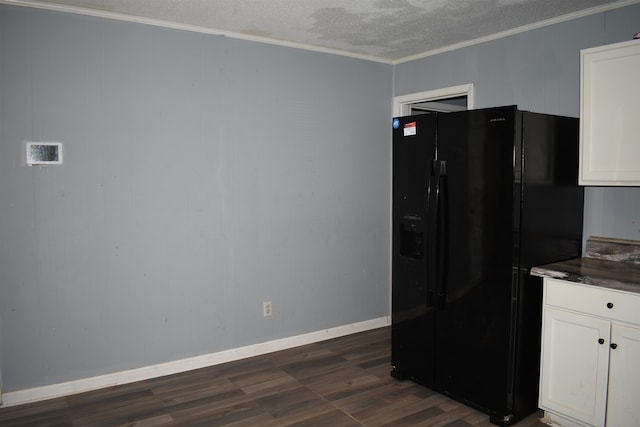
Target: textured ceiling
{"x":384,"y":30}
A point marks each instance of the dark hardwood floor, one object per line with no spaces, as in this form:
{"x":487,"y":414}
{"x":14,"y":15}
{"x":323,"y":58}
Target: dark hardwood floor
{"x":340,"y":382}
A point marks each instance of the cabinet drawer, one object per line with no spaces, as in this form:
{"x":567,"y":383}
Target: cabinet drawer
{"x":608,"y":303}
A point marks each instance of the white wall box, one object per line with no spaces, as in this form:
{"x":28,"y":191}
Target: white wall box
{"x":44,"y":153}
{"x":590,"y":374}
{"x":609,"y":112}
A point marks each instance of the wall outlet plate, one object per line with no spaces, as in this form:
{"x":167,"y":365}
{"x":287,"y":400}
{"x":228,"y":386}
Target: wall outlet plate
{"x":267,"y":309}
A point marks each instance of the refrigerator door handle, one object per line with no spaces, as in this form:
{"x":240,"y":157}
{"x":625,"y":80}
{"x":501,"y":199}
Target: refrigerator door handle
{"x":441,"y":232}
{"x":431,"y":259}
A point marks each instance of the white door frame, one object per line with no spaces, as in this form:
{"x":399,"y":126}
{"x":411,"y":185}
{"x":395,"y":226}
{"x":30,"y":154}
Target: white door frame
{"x":402,"y":104}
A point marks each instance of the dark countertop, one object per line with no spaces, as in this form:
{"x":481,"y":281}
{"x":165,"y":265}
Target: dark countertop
{"x":605,"y":273}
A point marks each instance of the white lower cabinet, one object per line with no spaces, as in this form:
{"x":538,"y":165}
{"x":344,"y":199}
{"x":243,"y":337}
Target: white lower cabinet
{"x":575,"y":365}
{"x":623,"y":407}
{"x":590,"y":365}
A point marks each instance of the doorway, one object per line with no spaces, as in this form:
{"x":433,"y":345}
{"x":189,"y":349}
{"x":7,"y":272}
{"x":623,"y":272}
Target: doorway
{"x":455,"y":98}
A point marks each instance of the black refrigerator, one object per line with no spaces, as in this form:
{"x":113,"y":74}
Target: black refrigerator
{"x":479,"y":197}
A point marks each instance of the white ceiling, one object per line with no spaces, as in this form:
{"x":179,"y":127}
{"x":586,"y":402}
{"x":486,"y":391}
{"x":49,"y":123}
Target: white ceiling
{"x":381,"y":30}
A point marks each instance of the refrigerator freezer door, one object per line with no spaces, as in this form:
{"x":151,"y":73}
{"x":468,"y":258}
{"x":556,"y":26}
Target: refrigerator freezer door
{"x":413,"y":316}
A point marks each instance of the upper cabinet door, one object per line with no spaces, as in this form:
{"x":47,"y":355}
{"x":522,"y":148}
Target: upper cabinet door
{"x":610,"y":115}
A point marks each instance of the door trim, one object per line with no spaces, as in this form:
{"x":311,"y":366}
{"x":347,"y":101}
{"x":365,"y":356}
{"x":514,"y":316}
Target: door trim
{"x":402,"y":103}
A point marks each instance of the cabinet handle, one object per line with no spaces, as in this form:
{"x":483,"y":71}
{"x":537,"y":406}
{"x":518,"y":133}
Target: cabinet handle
{"x":601,"y":341}
{"x":613,"y":345}
{"x":609,"y":305}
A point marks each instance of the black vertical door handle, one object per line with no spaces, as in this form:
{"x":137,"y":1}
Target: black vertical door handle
{"x":431,"y":258}
{"x":439,"y":169}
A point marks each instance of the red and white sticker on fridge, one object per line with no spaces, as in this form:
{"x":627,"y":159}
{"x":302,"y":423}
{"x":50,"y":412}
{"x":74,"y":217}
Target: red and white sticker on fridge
{"x":410,"y":129}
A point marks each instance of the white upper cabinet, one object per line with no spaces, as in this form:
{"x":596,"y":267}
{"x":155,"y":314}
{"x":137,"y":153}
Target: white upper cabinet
{"x":610,"y":115}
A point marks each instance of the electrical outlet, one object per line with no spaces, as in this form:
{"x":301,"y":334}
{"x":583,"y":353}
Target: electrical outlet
{"x":267,"y":309}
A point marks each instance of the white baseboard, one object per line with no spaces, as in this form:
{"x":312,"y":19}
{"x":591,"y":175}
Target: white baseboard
{"x":93,"y":383}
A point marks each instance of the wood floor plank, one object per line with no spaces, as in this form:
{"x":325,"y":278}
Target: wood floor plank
{"x":383,"y":414}
{"x":218,"y":416}
{"x":157,"y":421}
{"x":342,"y":383}
{"x":416,"y":418}
{"x":218,"y":390}
{"x":57,"y":417}
{"x":334,"y":418}
{"x":294,"y":402}
{"x":262,"y":419}
{"x":53,"y":408}
{"x":278,"y":382}
{"x":136,"y":410}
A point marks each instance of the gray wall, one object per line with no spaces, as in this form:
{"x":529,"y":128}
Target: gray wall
{"x":539,"y":70}
{"x":202,"y":176}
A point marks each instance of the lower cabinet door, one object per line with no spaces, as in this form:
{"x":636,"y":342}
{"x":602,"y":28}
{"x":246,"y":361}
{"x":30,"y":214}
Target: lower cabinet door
{"x":623,"y":407}
{"x":575,"y":360}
